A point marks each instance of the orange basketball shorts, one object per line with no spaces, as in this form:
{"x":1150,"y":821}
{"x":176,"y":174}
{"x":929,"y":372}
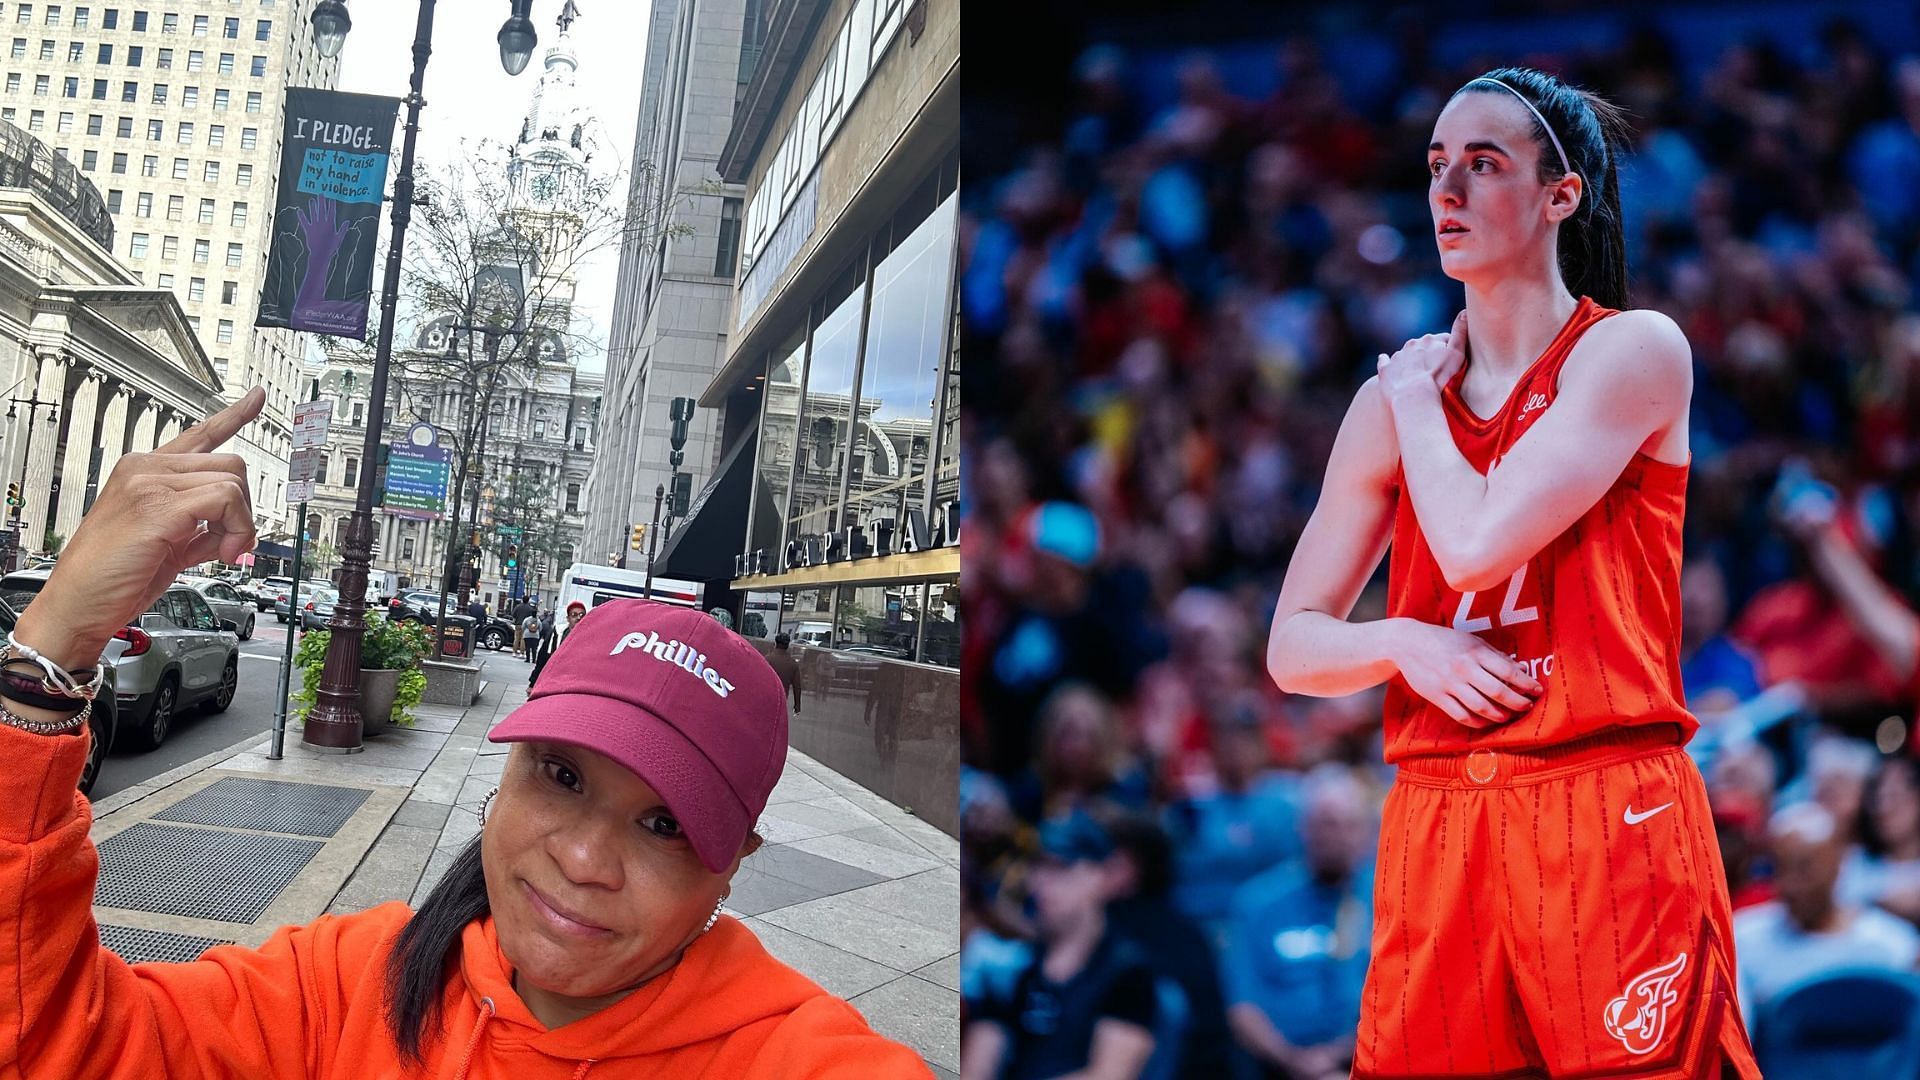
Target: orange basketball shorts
{"x":1560,"y":912}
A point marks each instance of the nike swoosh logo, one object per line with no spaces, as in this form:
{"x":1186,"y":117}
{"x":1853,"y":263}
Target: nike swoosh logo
{"x":1635,"y":819}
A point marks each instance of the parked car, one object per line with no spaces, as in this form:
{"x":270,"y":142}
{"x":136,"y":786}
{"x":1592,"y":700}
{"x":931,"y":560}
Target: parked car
{"x":318,"y":612}
{"x":283,"y":610}
{"x":177,"y":654}
{"x":421,"y":605}
{"x":105,"y":719}
{"x":266,"y":590}
{"x":225,"y":601}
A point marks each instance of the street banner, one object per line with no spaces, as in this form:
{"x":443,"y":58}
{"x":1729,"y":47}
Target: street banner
{"x":326,"y":221}
{"x":417,"y":468}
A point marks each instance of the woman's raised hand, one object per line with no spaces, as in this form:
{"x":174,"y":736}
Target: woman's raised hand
{"x":158,"y":514}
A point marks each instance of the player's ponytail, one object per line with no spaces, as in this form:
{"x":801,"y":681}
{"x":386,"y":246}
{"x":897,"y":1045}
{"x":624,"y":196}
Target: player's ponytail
{"x":1592,"y":131}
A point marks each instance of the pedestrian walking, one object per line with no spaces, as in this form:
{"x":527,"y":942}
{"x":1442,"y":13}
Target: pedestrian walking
{"x":522,"y":611}
{"x":550,"y":637}
{"x":787,"y":667}
{"x":578,"y":935}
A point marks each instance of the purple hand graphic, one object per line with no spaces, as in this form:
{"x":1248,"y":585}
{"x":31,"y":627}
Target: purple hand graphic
{"x":323,"y":233}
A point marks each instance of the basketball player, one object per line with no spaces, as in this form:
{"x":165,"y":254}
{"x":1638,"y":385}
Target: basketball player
{"x":1549,"y":899}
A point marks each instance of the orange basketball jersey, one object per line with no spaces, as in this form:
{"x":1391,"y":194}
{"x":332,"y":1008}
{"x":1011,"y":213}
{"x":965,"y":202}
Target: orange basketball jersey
{"x":1595,"y":615}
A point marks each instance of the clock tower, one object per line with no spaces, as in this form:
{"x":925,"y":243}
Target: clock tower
{"x":547,"y":171}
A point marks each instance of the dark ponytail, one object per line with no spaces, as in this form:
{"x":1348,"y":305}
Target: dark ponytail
{"x":1593,"y":130}
{"x":417,"y":968}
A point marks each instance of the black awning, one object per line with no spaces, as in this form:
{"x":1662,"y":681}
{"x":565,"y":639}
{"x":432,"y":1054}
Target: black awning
{"x":715,"y":528}
{"x":267,"y":549}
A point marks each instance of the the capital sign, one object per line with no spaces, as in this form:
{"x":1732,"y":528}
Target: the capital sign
{"x":879,"y":537}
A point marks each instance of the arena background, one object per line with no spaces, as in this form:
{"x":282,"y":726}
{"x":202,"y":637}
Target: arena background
{"x":1187,"y":232}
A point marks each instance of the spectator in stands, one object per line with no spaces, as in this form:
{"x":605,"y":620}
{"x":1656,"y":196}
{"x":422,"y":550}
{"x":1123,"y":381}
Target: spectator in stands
{"x":1809,"y":930}
{"x":1083,"y":758}
{"x":1717,"y":672}
{"x":1297,"y":955}
{"x":1838,"y":769}
{"x":1174,"y":945}
{"x":1087,"y":1004}
{"x":1886,"y":870}
{"x":1249,"y":825}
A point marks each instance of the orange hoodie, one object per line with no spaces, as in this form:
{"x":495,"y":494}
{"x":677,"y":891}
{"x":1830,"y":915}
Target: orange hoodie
{"x":310,"y":1002}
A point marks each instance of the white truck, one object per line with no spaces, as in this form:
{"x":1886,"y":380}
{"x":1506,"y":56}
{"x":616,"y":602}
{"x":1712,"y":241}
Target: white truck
{"x":594,"y":585}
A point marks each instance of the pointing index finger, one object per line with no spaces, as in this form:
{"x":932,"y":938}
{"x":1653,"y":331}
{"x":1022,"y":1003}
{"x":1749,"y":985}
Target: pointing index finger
{"x":208,"y":434}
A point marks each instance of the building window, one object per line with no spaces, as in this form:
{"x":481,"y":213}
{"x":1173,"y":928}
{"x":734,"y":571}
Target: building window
{"x":259,"y":68}
{"x":197,"y":289}
{"x":206,"y":211}
{"x":137,"y":246}
{"x":249,"y":138}
{"x":166,"y":281}
{"x":199,"y":26}
{"x":196,"y":60}
{"x":159,"y":93}
{"x":156,"y":130}
{"x":239,"y":219}
{"x":176,"y":207}
{"x":64,"y":125}
{"x":226,"y":63}
{"x":726,"y":259}
{"x":321,"y":474}
{"x":105,"y":55}
{"x":89,"y":160}
{"x":263,"y":30}
{"x":46,"y":50}
{"x":229,"y":291}
{"x":221,"y":99}
{"x":406,"y":549}
{"x":113,"y":201}
{"x":164,"y":60}
{"x":120,"y":166}
{"x":211,"y":173}
{"x":139,"y":22}
{"x":143,"y":204}
{"x":169,"y":247}
{"x":76,"y":51}
{"x":185,"y":136}
{"x":253,"y":101}
{"x":134,"y":53}
{"x":231,"y":29}
{"x":24,"y":13}
{"x":573,"y":498}
{"x":233,"y":256}
{"x":216,"y":135}
{"x":53,"y":14}
{"x":169,"y":22}
{"x":190,"y":97}
{"x":200,"y":250}
{"x":70,"y":87}
{"x":96,"y":124}
{"x":13,"y":83}
{"x":99,"y":88}
{"x":36,"y":120}
{"x":129,"y":91}
{"x":19,"y":48}
{"x":81,"y":19}
{"x":179,"y":168}
{"x":243,"y":175}
{"x":149,"y":165}
{"x":224,"y":334}
{"x":42,"y":85}
{"x":359,"y":413}
{"x":353,"y":472}
{"x":110,"y":19}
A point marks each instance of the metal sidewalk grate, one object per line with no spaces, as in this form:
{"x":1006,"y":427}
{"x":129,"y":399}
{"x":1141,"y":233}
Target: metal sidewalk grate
{"x":237,"y":802}
{"x":140,"y":946}
{"x":198,"y":873}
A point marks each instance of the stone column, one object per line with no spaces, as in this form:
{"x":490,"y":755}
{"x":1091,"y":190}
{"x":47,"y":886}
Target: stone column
{"x":38,"y":488}
{"x":170,"y":428}
{"x":82,"y":411}
{"x":113,"y":427}
{"x":143,"y":426}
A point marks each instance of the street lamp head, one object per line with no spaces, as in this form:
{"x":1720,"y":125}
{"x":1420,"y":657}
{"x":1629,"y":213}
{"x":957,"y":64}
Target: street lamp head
{"x":330,"y":26}
{"x":517,"y":38}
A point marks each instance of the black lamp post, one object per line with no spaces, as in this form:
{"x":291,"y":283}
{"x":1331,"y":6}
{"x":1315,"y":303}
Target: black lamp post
{"x":334,"y":723}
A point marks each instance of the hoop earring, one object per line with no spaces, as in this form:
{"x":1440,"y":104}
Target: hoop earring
{"x":487,"y":804}
{"x":715,"y":917}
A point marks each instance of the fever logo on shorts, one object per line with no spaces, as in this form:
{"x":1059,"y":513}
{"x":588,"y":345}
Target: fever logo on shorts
{"x":1638,"y":1017}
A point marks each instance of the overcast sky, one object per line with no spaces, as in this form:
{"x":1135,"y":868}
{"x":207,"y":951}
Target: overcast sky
{"x":469,"y":96}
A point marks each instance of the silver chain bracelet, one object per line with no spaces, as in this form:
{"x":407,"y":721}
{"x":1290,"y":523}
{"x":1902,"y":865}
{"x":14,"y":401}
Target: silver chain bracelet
{"x":46,"y":727}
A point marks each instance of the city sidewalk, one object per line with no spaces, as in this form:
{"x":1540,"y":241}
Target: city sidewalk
{"x":859,"y":895}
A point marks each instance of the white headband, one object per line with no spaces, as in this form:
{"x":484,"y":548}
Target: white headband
{"x":1564,"y":167}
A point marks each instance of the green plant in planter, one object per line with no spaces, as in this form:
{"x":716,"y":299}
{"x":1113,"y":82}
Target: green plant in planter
{"x":384,"y":645}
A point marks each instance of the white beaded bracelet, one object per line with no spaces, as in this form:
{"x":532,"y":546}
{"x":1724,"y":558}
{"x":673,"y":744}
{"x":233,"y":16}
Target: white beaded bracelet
{"x":59,"y":681}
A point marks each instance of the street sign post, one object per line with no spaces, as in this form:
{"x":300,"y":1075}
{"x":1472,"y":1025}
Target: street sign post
{"x":310,"y":422}
{"x":417,"y":469}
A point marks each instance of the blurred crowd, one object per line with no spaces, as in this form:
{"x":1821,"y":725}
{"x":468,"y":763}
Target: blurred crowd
{"x":1168,"y":308}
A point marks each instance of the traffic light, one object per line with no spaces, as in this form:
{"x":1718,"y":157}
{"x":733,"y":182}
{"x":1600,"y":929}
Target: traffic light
{"x":639,"y":536}
{"x":13,"y":495}
{"x":513,"y":556}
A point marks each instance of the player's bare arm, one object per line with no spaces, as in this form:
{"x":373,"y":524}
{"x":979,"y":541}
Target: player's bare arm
{"x":1628,"y":380}
{"x":1313,"y":649}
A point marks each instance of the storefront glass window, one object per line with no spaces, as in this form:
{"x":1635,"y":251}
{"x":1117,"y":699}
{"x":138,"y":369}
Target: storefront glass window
{"x":824,"y":420}
{"x":940,"y":619}
{"x":777,"y":442}
{"x":899,"y":384}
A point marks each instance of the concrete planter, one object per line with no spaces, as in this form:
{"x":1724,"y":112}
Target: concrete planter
{"x":450,"y":682}
{"x":378,"y":688}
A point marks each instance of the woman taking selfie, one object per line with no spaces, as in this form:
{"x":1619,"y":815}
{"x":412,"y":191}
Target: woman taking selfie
{"x":579,"y":935}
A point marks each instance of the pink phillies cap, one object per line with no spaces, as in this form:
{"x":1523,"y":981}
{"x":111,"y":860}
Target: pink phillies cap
{"x":684,"y":703}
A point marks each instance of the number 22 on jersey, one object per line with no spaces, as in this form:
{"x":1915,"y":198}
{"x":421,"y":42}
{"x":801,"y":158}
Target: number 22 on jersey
{"x":1510,"y":614}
